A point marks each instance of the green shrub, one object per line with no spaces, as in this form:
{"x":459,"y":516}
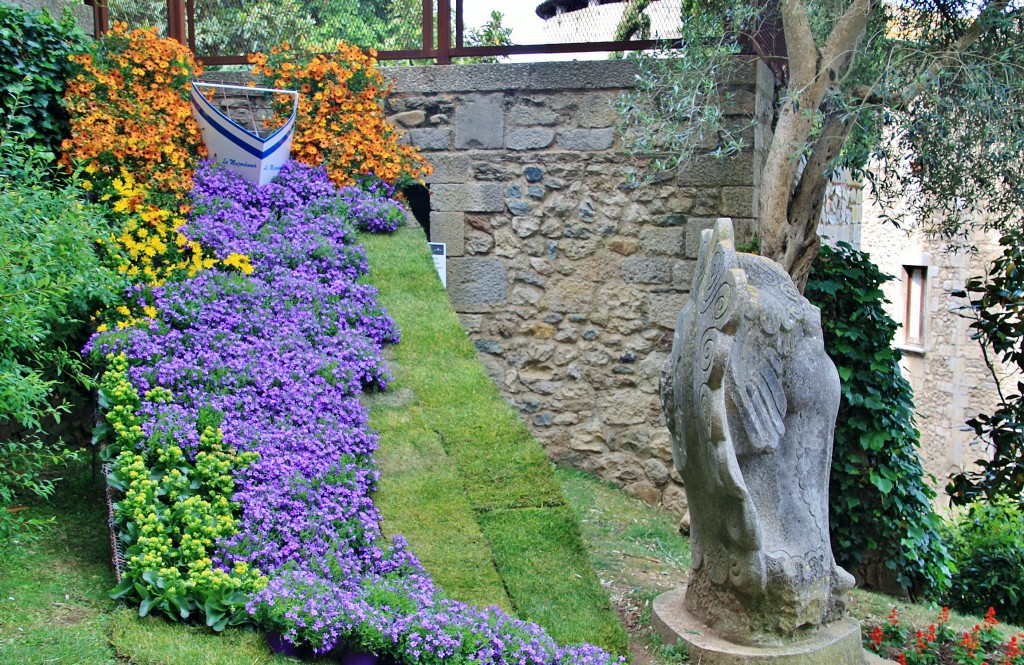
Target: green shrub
{"x":51,"y":278}
{"x":987,"y":545}
{"x":34,"y":49}
{"x":880,"y":504}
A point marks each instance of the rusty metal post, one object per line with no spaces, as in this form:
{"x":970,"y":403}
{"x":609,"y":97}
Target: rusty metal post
{"x":100,"y":17}
{"x":190,"y":25}
{"x":460,"y":25}
{"x":176,"y":21}
{"x":444,"y":32}
{"x":428,"y":25}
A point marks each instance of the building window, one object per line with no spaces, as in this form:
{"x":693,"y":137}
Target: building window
{"x":915,"y":280}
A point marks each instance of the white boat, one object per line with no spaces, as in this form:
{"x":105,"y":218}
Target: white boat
{"x":255,"y":157}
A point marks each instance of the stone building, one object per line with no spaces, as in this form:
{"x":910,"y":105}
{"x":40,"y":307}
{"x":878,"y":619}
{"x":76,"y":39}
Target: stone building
{"x":943,"y":364}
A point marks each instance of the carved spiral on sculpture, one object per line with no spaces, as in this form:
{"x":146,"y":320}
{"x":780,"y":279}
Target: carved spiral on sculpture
{"x":707,"y":351}
{"x":712,"y":278}
{"x":704,"y":403}
{"x":720,"y":300}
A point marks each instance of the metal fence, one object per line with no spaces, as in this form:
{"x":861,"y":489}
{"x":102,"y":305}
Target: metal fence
{"x":222,"y":32}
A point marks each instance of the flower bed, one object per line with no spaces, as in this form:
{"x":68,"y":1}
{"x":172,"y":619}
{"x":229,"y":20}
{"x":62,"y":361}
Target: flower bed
{"x":941,"y":645}
{"x":242,"y":450}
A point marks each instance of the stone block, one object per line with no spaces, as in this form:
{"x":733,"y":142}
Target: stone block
{"x":413,"y":118}
{"x":624,"y":246}
{"x":450,"y":168}
{"x":525,"y":227}
{"x":836,"y":643}
{"x":662,"y":309}
{"x":639,"y":270}
{"x":656,"y":471}
{"x":475,"y":283}
{"x":673,"y":499}
{"x":458,"y":78}
{"x":478,"y":242}
{"x":712,"y":171}
{"x":738,"y":202}
{"x":586,"y":140}
{"x":532,"y":114}
{"x":473,"y":197}
{"x":529,"y":138}
{"x":480,"y":122}
{"x":694,"y":227}
{"x":682,"y":274}
{"x":663,"y":241}
{"x":449,"y":228}
{"x":737,"y":101}
{"x":517,"y":207}
{"x":571,"y":296}
{"x":625,"y":407}
{"x":430,"y":138}
{"x":596,"y":110}
{"x":584,"y":75}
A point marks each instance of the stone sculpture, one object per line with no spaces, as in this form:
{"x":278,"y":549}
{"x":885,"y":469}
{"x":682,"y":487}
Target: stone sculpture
{"x":751,"y":400}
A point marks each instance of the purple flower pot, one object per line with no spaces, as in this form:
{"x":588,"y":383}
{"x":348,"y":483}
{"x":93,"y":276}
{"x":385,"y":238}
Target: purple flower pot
{"x":278,"y":644}
{"x":349,"y":657}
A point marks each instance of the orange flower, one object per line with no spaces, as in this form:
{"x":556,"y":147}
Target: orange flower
{"x":340,"y":114}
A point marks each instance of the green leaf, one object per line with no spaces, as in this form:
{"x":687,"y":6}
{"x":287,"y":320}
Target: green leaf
{"x":123,"y":589}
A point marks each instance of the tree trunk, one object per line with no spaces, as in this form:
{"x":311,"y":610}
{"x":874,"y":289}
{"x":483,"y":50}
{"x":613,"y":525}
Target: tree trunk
{"x":809,"y":197}
{"x":791,"y":200}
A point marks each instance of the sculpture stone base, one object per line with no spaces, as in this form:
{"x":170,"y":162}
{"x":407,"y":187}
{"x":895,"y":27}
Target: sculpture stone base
{"x":838,"y":643}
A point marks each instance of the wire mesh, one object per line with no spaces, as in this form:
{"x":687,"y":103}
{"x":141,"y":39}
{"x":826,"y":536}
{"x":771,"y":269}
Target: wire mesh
{"x":140,"y":13}
{"x":117,"y":559}
{"x":582,"y":21}
{"x":233,"y":28}
{"x":238,"y":27}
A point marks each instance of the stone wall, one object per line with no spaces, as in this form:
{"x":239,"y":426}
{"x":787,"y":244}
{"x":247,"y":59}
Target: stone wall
{"x":568,"y":280}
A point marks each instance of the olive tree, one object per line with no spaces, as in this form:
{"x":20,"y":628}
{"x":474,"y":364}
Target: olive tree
{"x":931,"y":89}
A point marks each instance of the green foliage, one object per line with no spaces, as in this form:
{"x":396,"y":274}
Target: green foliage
{"x":50,"y":280}
{"x":238,"y":28}
{"x":995,"y":303}
{"x":678,"y":110}
{"x":171,"y":509}
{"x":987,"y":545}
{"x":928,"y":90}
{"x":880,"y":504}
{"x":34,"y":49}
{"x":491,"y":33}
{"x":958,"y":118}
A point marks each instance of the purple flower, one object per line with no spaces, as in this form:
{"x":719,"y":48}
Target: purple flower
{"x":282,"y":355}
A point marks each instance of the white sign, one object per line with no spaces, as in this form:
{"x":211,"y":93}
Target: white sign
{"x":439,"y":251}
{"x":243,"y":151}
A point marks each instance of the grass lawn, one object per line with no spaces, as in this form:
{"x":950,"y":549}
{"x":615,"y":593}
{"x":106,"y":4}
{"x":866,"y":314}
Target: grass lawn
{"x":462,"y":477}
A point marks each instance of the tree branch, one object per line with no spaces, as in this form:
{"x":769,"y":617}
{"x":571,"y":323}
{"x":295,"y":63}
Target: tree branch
{"x":803,"y":52}
{"x":837,"y":54}
{"x":898,"y":101}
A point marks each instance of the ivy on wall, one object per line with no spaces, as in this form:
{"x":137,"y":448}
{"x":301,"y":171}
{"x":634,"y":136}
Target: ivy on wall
{"x":883,"y":525}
